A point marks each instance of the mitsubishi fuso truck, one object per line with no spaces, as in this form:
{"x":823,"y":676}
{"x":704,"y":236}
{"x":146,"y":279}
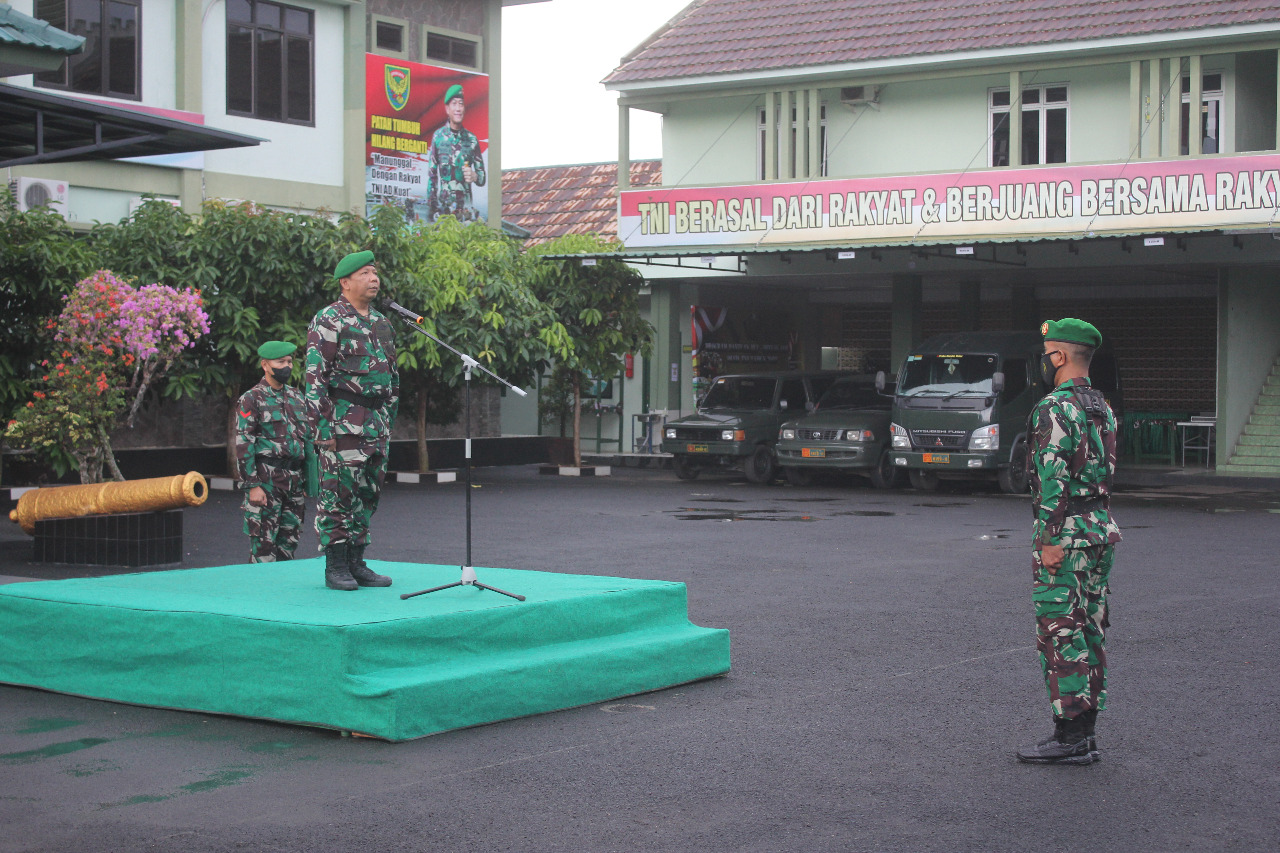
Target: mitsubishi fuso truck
{"x":961,"y":405}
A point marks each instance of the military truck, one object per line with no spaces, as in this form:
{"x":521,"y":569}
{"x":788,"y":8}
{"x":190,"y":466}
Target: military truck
{"x":961,"y":405}
{"x":848,"y":432}
{"x":737,"y":422}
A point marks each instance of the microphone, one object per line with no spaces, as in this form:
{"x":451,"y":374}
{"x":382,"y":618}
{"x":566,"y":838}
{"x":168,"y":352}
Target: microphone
{"x":417,"y":318}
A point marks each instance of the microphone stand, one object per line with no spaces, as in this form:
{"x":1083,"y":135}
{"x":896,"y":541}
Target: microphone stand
{"x":468,"y":364}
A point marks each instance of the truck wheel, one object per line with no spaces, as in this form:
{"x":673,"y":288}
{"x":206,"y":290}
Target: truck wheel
{"x":685,"y":470}
{"x":925,"y":481}
{"x":798,"y":476}
{"x":885,"y":474}
{"x":760,"y":465}
{"x":1014,"y":480}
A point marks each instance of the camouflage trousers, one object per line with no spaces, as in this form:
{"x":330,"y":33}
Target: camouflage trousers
{"x":1071,"y":623}
{"x":273,"y":529}
{"x":350,"y":486}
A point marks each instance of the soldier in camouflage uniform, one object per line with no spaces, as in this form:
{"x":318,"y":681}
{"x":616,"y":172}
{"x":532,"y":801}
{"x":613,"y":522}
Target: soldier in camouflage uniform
{"x":352,"y":396}
{"x":271,"y":449}
{"x":1072,"y":458}
{"x":454,"y":164}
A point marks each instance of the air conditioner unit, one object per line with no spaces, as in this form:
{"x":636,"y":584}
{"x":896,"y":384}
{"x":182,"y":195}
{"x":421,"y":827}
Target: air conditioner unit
{"x":136,"y":202}
{"x":855,"y":96}
{"x":35,"y":192}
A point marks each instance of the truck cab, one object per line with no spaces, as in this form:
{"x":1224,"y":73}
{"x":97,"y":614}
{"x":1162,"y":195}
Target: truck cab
{"x":738,"y":419}
{"x":962,"y":403}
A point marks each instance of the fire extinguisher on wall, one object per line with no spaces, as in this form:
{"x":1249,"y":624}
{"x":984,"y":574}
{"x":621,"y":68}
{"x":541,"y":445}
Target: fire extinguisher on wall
{"x":629,"y":365}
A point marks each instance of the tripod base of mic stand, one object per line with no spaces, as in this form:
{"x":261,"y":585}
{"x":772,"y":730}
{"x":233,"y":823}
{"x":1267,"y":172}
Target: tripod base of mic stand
{"x":468,"y":579}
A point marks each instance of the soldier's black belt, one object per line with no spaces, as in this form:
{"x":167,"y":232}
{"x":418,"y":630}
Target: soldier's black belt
{"x":358,"y":399}
{"x":1080,"y":506}
{"x":281,"y":462}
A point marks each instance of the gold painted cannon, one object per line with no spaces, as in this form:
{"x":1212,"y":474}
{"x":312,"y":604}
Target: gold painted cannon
{"x":151,"y":495}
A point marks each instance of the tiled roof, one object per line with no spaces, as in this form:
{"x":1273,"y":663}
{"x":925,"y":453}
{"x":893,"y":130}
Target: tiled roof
{"x":550,"y":201}
{"x":19,"y":29}
{"x":713,"y":37}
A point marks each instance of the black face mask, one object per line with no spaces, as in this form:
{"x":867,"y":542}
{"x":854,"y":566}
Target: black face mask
{"x":1047,"y":371}
{"x":281,"y":374}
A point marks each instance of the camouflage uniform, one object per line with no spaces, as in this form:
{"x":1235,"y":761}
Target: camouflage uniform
{"x":271,"y":447}
{"x":352,"y":396}
{"x":447,"y":191}
{"x":1072,"y":461}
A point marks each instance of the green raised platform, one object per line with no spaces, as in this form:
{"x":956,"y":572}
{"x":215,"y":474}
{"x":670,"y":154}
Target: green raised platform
{"x":269,"y":641}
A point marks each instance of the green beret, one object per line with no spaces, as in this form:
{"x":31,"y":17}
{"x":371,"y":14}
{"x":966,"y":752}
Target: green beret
{"x":1071,"y":331}
{"x":351,"y":263}
{"x":276,"y":349}
{"x":454,"y":91}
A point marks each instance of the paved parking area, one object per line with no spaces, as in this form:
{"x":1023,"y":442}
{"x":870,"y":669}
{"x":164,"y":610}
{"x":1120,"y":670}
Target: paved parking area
{"x":883,"y":675}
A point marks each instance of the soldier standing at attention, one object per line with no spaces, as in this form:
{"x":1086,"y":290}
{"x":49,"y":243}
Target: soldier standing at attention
{"x":271,"y":451}
{"x":454,"y":163}
{"x":352,"y":397}
{"x":1073,"y":461}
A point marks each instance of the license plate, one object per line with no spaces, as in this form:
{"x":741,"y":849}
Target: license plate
{"x":695,"y":448}
{"x":813,"y":452}
{"x":937,"y":458}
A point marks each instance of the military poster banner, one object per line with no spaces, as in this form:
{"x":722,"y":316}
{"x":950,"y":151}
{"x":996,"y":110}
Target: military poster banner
{"x":744,"y":341}
{"x":426,"y":139}
{"x":1239,"y":191}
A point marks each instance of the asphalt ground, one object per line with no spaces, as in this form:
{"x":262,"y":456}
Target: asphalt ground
{"x":883,"y":676}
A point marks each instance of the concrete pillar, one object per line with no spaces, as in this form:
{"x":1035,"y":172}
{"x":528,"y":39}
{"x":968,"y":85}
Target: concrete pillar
{"x":770,"y":136}
{"x":907,"y":318}
{"x":624,"y":147}
{"x":1135,"y":107}
{"x":353,"y":103}
{"x":1248,"y":344}
{"x":190,"y":82}
{"x":1195,"y":117}
{"x":786,"y":166}
{"x":1015,"y":118}
{"x":669,"y":314}
{"x":970,"y":311}
{"x":1156,"y":107}
{"x":493,"y":65}
{"x":1025,"y":309}
{"x":815,"y":134}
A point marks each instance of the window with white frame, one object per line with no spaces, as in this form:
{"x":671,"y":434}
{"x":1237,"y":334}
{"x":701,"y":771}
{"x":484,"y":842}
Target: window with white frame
{"x":451,"y":48}
{"x":799,"y":148}
{"x":1211,"y":114}
{"x":1045,"y":125}
{"x":389,"y":36}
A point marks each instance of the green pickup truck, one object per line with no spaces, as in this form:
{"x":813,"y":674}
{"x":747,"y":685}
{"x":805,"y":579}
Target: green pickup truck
{"x":738,"y":419}
{"x":848,"y":432}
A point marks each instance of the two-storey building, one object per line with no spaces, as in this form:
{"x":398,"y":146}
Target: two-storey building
{"x":852,"y":169}
{"x":344,"y":96}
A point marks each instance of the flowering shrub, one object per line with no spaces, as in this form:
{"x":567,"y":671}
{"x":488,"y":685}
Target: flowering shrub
{"x":116,"y":341}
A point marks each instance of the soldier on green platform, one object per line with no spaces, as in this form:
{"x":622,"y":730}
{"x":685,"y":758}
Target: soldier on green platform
{"x":1072,"y":458}
{"x":271,"y":450}
{"x":454,"y":164}
{"x":353,"y":392}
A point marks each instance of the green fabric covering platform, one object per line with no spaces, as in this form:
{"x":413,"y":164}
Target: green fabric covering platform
{"x":270,"y":641}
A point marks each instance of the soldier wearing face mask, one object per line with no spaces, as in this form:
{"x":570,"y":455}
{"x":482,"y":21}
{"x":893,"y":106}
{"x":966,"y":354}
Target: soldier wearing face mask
{"x":271,"y":451}
{"x":1072,"y":464}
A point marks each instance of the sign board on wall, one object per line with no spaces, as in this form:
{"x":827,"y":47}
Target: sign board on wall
{"x":1056,"y":200}
{"x":423,"y":154}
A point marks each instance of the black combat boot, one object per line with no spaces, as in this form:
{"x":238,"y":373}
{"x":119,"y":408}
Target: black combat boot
{"x":336,"y":573}
{"x":360,"y":570}
{"x":1070,"y":746}
{"x":1089,"y":719}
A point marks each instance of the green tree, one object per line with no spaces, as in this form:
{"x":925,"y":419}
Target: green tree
{"x":263,"y":274}
{"x":599,"y":306}
{"x":471,"y":285}
{"x":40,"y":261}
